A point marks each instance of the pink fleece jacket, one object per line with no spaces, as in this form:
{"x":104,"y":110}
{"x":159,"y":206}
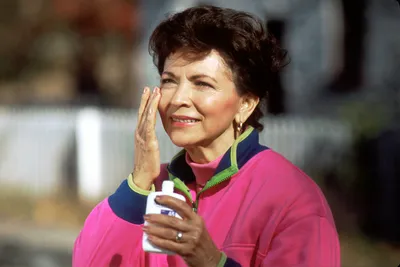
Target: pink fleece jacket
{"x":259,"y":209}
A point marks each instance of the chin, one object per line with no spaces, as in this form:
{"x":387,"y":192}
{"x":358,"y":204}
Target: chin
{"x":183,"y":140}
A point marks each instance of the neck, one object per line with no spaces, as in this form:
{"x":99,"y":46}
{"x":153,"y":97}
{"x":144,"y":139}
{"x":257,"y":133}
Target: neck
{"x":204,"y":154}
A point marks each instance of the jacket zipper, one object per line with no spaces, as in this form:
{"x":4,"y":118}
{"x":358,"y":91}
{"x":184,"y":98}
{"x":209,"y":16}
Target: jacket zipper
{"x":185,"y":190}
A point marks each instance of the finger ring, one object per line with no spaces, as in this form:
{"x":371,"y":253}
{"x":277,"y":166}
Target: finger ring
{"x":179,"y":236}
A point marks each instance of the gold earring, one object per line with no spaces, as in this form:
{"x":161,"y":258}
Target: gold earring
{"x":239,"y":127}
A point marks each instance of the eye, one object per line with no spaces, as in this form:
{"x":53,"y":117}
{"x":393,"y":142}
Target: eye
{"x":166,"y":81}
{"x":203,"y":84}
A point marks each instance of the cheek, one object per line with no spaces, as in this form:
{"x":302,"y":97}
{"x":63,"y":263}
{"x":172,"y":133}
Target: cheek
{"x":212,"y":105}
{"x":163,"y":106}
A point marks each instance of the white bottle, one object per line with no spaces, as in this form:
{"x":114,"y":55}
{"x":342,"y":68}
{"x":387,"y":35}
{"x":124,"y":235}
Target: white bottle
{"x":153,"y":208}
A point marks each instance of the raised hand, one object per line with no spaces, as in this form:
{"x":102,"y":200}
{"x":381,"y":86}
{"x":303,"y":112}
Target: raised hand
{"x":147,"y":155}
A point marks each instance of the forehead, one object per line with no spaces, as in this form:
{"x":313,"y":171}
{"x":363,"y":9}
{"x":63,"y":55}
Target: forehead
{"x":209,"y":64}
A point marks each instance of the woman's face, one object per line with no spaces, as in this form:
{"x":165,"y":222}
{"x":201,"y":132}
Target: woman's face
{"x":198,"y":101}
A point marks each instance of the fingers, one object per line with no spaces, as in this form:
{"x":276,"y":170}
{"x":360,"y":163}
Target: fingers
{"x":181,"y":207}
{"x":167,"y":221}
{"x":143,"y":103}
{"x":148,"y":116}
{"x":147,"y":156}
{"x":151,"y":111}
{"x":180,"y":248}
{"x":163,"y":233}
{"x":148,"y":102}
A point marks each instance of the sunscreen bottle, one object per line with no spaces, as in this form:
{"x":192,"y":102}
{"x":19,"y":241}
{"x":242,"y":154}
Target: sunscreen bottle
{"x":153,"y":208}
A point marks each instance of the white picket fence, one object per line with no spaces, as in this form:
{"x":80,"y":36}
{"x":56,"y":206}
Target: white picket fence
{"x":41,"y":148}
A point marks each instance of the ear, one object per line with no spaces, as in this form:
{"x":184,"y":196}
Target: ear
{"x":248,"y":103}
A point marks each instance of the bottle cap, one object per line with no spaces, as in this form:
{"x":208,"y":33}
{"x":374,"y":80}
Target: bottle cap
{"x":168,"y":187}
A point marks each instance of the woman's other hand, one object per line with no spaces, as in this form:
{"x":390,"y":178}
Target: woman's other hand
{"x":147,"y":155}
{"x":195,"y":245}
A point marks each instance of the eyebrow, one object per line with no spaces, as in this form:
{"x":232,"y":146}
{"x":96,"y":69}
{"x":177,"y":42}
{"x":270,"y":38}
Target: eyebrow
{"x":194,"y":77}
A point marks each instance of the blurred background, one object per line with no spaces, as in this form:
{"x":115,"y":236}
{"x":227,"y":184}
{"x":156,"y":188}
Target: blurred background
{"x":71,"y":72}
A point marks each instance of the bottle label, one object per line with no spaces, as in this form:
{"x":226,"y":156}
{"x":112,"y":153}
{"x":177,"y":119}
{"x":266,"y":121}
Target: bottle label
{"x":168,"y":212}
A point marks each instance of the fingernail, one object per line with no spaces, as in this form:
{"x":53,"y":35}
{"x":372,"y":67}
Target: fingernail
{"x":146,"y":217}
{"x":145,"y":228}
{"x":145,"y":90}
{"x":157,"y":200}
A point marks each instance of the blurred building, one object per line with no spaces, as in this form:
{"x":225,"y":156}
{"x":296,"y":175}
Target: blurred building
{"x":67,"y":52}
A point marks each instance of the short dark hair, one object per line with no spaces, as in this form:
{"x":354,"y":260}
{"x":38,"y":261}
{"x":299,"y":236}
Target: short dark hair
{"x":253,"y":54}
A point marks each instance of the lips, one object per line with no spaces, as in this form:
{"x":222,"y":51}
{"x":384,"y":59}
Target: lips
{"x":184,"y":119}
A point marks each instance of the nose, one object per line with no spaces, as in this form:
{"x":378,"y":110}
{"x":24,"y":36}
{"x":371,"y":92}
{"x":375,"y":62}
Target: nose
{"x":182,"y":95}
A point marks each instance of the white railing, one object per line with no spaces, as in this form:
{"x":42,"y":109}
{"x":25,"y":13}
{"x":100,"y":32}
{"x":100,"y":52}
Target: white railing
{"x":34,"y":147}
{"x":42,"y":149}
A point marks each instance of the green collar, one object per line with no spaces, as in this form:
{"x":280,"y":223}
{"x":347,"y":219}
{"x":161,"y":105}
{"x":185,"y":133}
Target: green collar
{"x":242,"y":150}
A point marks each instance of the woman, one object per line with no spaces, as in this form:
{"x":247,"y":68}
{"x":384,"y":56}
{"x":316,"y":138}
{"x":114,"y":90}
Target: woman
{"x":246,"y":204}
